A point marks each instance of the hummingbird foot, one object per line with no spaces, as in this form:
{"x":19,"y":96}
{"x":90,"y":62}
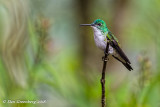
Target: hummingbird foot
{"x":105,"y":59}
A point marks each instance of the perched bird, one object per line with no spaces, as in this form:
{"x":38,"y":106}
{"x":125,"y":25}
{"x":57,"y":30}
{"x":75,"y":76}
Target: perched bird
{"x":101,"y":35}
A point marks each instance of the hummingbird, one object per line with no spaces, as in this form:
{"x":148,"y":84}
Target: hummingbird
{"x":101,"y":35}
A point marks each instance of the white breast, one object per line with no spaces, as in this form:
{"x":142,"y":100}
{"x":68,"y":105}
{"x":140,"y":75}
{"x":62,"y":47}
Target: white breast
{"x":99,"y":39}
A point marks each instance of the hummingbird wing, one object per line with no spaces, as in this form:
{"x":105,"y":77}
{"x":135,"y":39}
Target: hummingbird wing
{"x":115,"y":45}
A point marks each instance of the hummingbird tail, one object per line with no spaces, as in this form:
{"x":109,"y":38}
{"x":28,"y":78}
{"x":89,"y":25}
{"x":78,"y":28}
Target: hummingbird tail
{"x":126,"y":64}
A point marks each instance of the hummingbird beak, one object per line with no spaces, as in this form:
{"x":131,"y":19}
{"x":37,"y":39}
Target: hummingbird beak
{"x":86,"y":25}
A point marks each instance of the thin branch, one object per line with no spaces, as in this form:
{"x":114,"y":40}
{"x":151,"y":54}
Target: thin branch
{"x":105,"y":60}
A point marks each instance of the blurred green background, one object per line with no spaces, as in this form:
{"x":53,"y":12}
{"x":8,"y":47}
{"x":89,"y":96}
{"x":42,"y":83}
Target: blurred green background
{"x":45,"y":55}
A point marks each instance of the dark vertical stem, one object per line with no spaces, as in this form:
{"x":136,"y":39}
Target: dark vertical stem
{"x":105,"y":60}
{"x":119,"y":7}
{"x":84,"y":17}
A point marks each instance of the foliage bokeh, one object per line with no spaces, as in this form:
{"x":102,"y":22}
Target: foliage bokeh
{"x":45,"y":55}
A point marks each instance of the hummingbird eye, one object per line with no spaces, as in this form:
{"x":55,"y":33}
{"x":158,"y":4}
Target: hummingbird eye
{"x":99,"y":24}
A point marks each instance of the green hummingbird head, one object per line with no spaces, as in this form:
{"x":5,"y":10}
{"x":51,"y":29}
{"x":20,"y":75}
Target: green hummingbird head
{"x":98,"y":24}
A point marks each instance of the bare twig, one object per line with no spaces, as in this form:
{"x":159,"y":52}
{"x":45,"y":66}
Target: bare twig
{"x":105,"y":59}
